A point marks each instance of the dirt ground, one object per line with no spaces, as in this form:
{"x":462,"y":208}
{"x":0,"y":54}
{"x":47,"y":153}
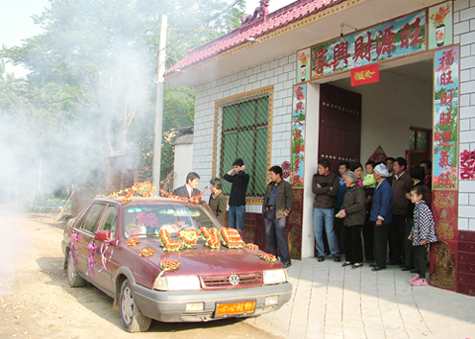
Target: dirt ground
{"x":36,"y":300}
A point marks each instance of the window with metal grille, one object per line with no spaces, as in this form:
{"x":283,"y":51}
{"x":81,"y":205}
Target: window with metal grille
{"x":242,"y":132}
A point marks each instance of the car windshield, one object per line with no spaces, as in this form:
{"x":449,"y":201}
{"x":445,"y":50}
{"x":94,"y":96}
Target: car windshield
{"x":148,"y":220}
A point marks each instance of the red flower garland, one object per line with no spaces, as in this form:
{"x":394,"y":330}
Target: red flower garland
{"x":211,"y":236}
{"x":268,"y":257}
{"x":167,"y":242}
{"x":188,"y":237}
{"x":146,"y":252}
{"x":132,"y":242}
{"x":169,"y":265}
{"x":231,"y":238}
{"x":251,"y":246}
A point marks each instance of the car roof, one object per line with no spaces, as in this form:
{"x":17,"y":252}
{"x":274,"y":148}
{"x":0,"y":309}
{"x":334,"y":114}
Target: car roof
{"x":137,"y":200}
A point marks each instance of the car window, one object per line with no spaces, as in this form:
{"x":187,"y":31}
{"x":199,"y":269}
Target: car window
{"x":149,"y":219}
{"x":92,"y":217}
{"x":109,"y":220}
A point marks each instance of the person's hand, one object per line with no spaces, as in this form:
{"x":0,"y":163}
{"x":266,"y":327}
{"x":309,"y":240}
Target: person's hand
{"x":319,"y":186}
{"x":243,"y":167}
{"x":409,"y":237}
{"x":341,"y":214}
{"x":408,"y":196}
{"x":331,"y":188}
{"x":379,"y":222}
{"x":423,"y":241}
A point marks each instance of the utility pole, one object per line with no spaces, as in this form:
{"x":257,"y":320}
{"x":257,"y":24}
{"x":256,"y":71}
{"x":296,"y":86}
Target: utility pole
{"x":157,"y":147}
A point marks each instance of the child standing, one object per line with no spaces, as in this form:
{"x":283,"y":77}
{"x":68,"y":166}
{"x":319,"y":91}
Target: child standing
{"x":368,"y":180}
{"x":422,"y":233}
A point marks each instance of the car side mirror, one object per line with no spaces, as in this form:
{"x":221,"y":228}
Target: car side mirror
{"x":102,"y":235}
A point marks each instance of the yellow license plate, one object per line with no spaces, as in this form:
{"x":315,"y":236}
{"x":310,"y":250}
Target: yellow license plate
{"x":235,"y":308}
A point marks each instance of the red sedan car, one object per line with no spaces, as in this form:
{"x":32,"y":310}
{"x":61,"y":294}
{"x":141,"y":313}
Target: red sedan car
{"x":134,"y":254}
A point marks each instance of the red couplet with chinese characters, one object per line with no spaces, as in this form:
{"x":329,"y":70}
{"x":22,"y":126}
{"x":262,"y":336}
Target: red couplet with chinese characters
{"x":365,"y":75}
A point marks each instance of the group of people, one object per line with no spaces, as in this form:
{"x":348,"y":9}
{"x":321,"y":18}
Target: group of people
{"x":277,"y":202}
{"x":390,"y":204}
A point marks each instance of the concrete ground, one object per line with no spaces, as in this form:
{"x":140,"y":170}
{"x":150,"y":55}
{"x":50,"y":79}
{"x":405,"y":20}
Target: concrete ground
{"x":331,"y":302}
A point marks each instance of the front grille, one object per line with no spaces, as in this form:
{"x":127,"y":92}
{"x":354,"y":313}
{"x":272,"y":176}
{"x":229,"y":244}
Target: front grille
{"x":222,"y":281}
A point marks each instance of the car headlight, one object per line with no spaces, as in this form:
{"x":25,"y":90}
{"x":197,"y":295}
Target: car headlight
{"x":272,"y":277}
{"x":177,"y":283}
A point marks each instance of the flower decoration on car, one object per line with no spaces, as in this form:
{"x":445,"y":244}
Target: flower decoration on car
{"x":132,"y":242}
{"x":188,"y":237}
{"x":169,"y":265}
{"x":146,"y":252}
{"x":251,"y":246}
{"x":211,"y":236}
{"x":195,"y":199}
{"x":167,"y":243}
{"x":75,"y":240}
{"x":145,"y":189}
{"x":268,"y":257}
{"x":231,"y":238}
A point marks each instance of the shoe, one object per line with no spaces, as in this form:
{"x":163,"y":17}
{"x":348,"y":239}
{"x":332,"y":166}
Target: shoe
{"x":357,"y":265}
{"x":407,"y":268}
{"x":413,"y":271}
{"x":419,"y":282}
{"x":321,"y":258}
{"x":414,"y":278}
{"x":287,"y":265}
{"x":346,"y":264}
{"x":337,"y":259}
{"x":377,"y":268}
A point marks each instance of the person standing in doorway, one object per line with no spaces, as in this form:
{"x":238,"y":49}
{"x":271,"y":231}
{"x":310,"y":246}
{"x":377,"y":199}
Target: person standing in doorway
{"x":325,"y":187}
{"x":381,"y":215}
{"x":190,"y":189}
{"x":401,"y":185}
{"x":390,"y":166}
{"x":427,"y":165}
{"x":343,"y":167}
{"x":237,"y":199}
{"x":276,"y":205}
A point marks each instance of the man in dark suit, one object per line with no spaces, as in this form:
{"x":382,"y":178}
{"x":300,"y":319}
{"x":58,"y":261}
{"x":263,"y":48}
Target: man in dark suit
{"x":189,"y":190}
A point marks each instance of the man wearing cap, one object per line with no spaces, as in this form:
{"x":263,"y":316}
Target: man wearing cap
{"x":381,"y":215}
{"x":237,"y":198}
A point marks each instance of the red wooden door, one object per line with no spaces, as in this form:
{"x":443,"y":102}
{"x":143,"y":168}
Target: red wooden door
{"x":340,"y":126}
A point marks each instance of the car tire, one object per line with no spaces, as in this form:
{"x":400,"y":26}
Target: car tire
{"x":132,"y":318}
{"x":73,"y":277}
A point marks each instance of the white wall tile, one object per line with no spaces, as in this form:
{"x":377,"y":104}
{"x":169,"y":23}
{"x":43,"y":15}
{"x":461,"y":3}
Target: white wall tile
{"x":463,"y":224}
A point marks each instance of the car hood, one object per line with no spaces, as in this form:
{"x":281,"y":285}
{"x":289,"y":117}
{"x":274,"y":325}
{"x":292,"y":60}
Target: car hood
{"x":202,"y":260}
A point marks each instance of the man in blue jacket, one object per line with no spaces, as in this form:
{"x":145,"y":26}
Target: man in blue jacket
{"x":382,"y":216}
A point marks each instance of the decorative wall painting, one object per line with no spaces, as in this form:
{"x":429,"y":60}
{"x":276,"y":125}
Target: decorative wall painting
{"x":446,"y":94}
{"x":440,"y":25}
{"x":298,"y":135}
{"x":303,"y":65}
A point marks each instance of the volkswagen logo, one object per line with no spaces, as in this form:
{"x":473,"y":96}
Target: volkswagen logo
{"x":234,"y":279}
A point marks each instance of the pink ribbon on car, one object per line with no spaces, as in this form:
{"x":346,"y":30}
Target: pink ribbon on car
{"x":104,"y":249}
{"x":90,"y":258}
{"x":75,"y":241}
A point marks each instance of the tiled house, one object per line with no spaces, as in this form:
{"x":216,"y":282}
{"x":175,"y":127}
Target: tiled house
{"x":345,"y":80}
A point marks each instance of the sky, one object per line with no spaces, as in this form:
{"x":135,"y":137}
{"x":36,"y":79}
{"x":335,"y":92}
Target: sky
{"x":17,"y":24}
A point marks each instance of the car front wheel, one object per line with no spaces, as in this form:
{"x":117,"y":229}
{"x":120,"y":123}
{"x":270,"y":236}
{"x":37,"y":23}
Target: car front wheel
{"x":73,"y":278}
{"x":132,"y":317}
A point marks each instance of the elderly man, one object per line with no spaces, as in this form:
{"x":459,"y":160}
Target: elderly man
{"x":381,"y":215}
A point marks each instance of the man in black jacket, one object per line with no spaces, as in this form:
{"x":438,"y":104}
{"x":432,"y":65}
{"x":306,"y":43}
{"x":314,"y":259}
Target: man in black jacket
{"x":237,"y":199}
{"x":276,"y":206}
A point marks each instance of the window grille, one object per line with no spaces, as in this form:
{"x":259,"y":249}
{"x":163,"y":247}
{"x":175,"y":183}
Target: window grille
{"x":242,"y":132}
